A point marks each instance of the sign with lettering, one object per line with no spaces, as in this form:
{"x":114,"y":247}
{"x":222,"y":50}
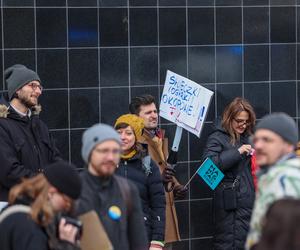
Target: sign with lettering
{"x":210,"y":173}
{"x":184,"y":102}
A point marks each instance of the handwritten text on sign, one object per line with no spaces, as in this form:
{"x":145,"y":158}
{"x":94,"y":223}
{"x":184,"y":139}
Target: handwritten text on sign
{"x":180,"y":100}
{"x":185,"y":102}
{"x":180,"y":95}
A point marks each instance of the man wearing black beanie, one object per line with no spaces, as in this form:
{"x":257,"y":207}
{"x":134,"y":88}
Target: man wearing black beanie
{"x":275,"y":140}
{"x":25,"y":142}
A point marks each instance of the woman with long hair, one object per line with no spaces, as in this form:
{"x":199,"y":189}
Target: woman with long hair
{"x":229,"y":148}
{"x":136,"y":166}
{"x":32,"y":219}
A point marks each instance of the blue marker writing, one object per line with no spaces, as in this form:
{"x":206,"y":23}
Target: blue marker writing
{"x":202,"y":111}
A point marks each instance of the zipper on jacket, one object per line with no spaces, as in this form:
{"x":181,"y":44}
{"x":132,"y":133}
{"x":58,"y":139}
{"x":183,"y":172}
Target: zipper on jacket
{"x":125,"y":169}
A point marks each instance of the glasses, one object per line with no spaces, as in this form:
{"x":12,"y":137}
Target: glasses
{"x":242,"y":122}
{"x":34,"y":86}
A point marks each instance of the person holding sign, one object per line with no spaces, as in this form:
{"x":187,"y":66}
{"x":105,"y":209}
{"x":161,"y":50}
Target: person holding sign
{"x":157,"y":146}
{"x":228,"y":147}
{"x":138,"y":167}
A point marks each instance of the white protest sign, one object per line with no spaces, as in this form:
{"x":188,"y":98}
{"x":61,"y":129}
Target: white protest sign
{"x":184,"y":102}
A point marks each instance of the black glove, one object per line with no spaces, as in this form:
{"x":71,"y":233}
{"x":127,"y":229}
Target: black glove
{"x":180,"y":191}
{"x":168,"y":174}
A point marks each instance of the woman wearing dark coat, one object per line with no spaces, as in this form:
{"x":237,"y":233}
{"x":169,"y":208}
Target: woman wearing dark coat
{"x":229,"y":148}
{"x":140,"y":169}
{"x":32,"y":221}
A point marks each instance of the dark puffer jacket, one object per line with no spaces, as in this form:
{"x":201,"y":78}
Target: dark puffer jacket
{"x":102,"y":193}
{"x":18,"y":231}
{"x":25,"y":146}
{"x":231,"y":226}
{"x":151,"y":192}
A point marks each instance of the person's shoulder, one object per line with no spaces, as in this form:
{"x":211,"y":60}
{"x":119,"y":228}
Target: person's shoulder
{"x":288,"y":168}
{"x":123,"y":181}
{"x":218,"y":134}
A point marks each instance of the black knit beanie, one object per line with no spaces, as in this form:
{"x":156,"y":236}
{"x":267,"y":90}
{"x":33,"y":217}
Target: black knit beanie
{"x":17,"y":76}
{"x":64,"y":177}
{"x":281,"y":124}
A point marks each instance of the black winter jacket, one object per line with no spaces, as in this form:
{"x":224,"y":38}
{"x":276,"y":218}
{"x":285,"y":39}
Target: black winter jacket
{"x":151,"y":192}
{"x":231,"y":225}
{"x":126,"y":233}
{"x":19,"y":232}
{"x":25,"y":148}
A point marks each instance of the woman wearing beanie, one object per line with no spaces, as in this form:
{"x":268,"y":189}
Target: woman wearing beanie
{"x":32,"y":219}
{"x":229,"y":148}
{"x":140,"y":169}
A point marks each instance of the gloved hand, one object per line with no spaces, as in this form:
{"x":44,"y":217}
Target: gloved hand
{"x":180,"y":192}
{"x":168,"y":174}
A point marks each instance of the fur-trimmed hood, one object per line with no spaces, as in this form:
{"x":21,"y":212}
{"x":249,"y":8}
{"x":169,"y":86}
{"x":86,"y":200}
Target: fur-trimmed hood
{"x":5,"y":108}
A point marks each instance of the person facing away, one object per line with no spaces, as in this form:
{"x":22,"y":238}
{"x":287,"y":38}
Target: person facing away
{"x":141,"y":169}
{"x":156,"y":144}
{"x":275,"y":140}
{"x":115,"y":200}
{"x":229,"y":148}
{"x":281,"y":226}
{"x":25,"y":141}
{"x":33,"y":220}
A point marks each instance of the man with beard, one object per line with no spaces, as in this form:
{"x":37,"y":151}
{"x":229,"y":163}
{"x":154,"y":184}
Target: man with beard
{"x":25,"y":144}
{"x":156,"y":144}
{"x":275,"y":140}
{"x":115,"y":200}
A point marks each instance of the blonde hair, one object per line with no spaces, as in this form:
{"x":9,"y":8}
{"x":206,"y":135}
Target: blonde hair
{"x":231,"y":111}
{"x":36,"y":188}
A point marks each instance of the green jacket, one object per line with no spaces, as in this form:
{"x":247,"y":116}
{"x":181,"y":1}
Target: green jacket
{"x":282,"y":180}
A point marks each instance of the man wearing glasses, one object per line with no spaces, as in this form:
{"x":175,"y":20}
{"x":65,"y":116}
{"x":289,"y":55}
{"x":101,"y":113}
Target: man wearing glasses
{"x":115,"y":200}
{"x":25,"y":144}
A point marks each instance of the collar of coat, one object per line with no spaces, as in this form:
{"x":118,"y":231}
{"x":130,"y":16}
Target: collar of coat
{"x":6,"y":110}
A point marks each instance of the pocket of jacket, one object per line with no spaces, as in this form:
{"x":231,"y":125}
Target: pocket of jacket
{"x":19,"y":146}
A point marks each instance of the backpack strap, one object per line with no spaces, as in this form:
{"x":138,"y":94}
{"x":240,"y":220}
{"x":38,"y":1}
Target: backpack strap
{"x":146,"y":161}
{"x":14,"y":209}
{"x":125,"y":192}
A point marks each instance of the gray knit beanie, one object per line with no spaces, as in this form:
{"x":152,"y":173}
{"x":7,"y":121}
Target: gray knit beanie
{"x":96,"y":135}
{"x":281,"y":124}
{"x":17,"y":76}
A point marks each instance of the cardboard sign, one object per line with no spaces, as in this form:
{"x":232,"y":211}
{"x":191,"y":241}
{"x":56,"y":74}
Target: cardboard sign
{"x":184,"y":102}
{"x":94,"y":236}
{"x":210,"y":173}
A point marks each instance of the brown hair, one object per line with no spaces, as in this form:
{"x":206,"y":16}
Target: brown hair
{"x":138,"y":101}
{"x":231,"y":111}
{"x":282,"y":226}
{"x":138,"y":146}
{"x":35,"y":188}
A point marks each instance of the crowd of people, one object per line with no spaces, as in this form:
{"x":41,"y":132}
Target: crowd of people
{"x":126,"y":182}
